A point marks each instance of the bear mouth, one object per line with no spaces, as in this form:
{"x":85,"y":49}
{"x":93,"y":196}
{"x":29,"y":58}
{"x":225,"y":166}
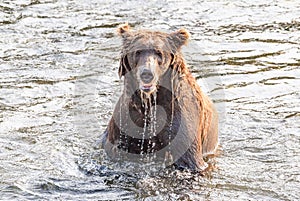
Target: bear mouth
{"x":148,"y":88}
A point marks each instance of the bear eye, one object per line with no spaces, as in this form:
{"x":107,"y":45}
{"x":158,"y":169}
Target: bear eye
{"x":158,"y":53}
{"x":138,"y":52}
{"x":137,"y":55}
{"x":160,"y":56}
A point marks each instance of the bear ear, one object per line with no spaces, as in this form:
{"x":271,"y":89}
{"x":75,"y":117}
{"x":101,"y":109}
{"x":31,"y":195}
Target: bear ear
{"x":123,"y":30}
{"x":180,"y":37}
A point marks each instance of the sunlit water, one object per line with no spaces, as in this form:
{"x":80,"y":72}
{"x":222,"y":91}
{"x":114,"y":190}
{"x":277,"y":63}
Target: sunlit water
{"x":59,"y":84}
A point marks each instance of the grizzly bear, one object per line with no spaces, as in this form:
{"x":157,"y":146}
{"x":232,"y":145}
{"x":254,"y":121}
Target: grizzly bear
{"x":162,"y":114}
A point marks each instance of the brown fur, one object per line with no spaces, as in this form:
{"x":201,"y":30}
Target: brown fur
{"x":195,"y":117}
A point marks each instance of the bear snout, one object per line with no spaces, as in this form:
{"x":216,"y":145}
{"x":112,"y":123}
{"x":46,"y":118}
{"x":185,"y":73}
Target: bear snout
{"x":146,"y":76}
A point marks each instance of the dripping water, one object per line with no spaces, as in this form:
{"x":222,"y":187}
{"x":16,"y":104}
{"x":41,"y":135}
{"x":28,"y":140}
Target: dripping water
{"x":168,"y":154}
{"x":152,"y":125}
{"x":149,"y":103}
{"x":120,"y":118}
{"x":172,"y":106}
{"x":145,"y":105}
{"x":154,"y":120}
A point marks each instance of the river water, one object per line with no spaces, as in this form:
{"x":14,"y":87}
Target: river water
{"x":59,"y":84}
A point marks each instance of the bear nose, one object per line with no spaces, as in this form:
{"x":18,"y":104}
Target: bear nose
{"x":146,"y":76}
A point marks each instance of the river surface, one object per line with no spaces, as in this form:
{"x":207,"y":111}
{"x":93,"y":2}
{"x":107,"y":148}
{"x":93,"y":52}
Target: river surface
{"x":59,"y":83}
